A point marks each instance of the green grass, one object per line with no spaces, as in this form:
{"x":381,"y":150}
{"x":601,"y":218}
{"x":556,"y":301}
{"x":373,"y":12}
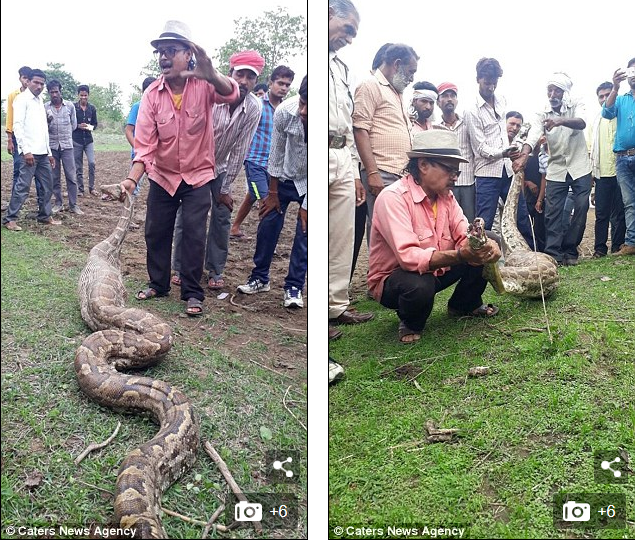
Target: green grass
{"x":528,"y":430}
{"x":47,"y":421}
{"x":111,"y":140}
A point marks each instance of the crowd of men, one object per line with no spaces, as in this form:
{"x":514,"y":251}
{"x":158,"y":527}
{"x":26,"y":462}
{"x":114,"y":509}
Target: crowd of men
{"x":191,"y":133}
{"x":413,"y":184}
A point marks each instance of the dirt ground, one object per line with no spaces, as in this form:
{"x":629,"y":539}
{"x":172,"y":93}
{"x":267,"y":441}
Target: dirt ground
{"x":263,"y":314}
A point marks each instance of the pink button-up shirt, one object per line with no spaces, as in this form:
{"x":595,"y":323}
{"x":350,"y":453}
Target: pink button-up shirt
{"x":175,"y":144}
{"x":405,"y":233}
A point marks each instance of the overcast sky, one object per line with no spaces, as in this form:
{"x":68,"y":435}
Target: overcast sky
{"x":105,"y":42}
{"x":530,"y":40}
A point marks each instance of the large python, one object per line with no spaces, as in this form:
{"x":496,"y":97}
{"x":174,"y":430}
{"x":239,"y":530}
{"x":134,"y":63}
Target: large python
{"x":526,"y":273}
{"x":129,"y":338}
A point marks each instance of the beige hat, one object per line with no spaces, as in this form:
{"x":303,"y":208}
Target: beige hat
{"x":439,"y":143}
{"x":173,"y":31}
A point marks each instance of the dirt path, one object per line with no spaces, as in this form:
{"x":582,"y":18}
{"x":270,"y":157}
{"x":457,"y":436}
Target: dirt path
{"x":263,"y":315}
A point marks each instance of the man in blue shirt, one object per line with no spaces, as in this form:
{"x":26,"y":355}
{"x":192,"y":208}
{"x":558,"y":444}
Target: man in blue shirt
{"x":623,"y":108}
{"x":257,"y":157}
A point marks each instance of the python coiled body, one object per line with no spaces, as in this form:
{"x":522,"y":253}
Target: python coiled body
{"x":129,"y":338}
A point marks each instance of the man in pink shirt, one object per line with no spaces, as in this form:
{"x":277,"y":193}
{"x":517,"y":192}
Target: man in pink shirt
{"x":174,"y":145}
{"x":418,"y":244}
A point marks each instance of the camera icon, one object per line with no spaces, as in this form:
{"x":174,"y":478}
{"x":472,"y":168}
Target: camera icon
{"x":574,"y":511}
{"x":246,"y":511}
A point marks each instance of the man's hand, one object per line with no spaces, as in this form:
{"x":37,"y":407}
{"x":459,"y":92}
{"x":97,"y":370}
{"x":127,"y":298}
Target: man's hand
{"x":127,"y":185}
{"x":360,"y":193}
{"x":10,"y":148}
{"x":489,"y":253}
{"x":227,"y":200}
{"x":28,"y":159}
{"x":532,"y":187}
{"x":618,"y":77}
{"x":519,"y":162}
{"x":269,"y":204}
{"x":539,"y":205}
{"x":303,"y":215}
{"x":204,"y":68}
{"x":550,"y":123}
{"x":52,"y":162}
{"x":375,"y":183}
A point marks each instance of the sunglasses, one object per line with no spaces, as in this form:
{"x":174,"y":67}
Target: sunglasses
{"x":168,"y":52}
{"x":450,"y":170}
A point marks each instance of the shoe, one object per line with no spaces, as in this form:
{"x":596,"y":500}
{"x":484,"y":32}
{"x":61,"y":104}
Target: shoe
{"x":254,"y":286}
{"x":625,"y":250}
{"x":76,"y":210}
{"x":12,"y":226}
{"x":334,"y":333}
{"x":50,"y":221}
{"x":215,"y":284}
{"x":80,"y":193}
{"x":598,"y":255}
{"x":57,"y":208}
{"x":93,"y":192}
{"x":293,"y":298}
{"x":336,"y":372}
{"x":352,"y":317}
{"x":570,"y":262}
{"x":133,"y":226}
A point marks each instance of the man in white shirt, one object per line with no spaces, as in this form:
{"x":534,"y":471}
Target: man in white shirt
{"x":562,"y":122}
{"x":32,"y":135}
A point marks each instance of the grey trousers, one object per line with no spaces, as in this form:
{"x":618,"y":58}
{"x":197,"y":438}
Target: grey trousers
{"x":41,"y":169}
{"x":64,"y":158}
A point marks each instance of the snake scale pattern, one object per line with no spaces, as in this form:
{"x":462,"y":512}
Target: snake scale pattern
{"x":129,"y":338}
{"x":526,"y":273}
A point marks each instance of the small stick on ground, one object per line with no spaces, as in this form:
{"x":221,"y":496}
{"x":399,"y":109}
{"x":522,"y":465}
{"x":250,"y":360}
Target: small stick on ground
{"x":97,"y":446}
{"x":290,"y":412}
{"x":222,"y":466}
{"x":268,"y":368}
{"x":95,"y":487}
{"x":231,"y":301}
{"x":220,"y":528}
{"x":211,"y":521}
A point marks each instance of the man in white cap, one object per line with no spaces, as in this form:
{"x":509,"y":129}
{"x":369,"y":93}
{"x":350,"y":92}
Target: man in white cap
{"x":174,"y":145}
{"x":562,"y":122}
{"x":418,"y":244}
{"x":464,"y":188}
{"x":422,"y":107}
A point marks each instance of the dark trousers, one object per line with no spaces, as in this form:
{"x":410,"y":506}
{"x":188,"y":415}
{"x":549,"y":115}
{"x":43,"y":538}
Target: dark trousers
{"x":412,"y":294}
{"x":488,"y":190}
{"x":17,"y":160}
{"x":609,"y":208}
{"x":269,"y":230}
{"x":560,"y":243}
{"x":159,"y":230}
{"x":361,"y":212}
{"x":538,"y":219}
{"x":41,"y":170}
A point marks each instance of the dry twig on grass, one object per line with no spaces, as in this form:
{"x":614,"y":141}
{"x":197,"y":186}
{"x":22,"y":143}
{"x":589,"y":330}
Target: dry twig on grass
{"x":290,"y":412}
{"x":97,"y":446}
{"x":222,"y":466}
{"x":248,"y":308}
{"x":211,"y":521}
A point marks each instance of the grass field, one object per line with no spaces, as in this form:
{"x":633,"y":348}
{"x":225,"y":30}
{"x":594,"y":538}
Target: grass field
{"x":47,"y":421}
{"x":527,"y":431}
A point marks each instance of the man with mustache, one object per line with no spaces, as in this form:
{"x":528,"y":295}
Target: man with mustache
{"x":418,"y":245}
{"x":174,"y":144}
{"x":234,"y":128}
{"x":380,"y":124}
{"x":562,"y":122}
{"x":423,"y":98}
{"x":464,"y":189}
{"x":32,"y":135}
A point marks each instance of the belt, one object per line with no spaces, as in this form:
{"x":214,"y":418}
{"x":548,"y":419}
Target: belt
{"x":629,"y":152}
{"x":337,"y":141}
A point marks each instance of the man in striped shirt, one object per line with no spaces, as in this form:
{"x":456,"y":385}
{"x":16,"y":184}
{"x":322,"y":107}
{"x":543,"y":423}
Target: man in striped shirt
{"x":493,"y":155}
{"x":258,"y":156}
{"x":288,"y":169}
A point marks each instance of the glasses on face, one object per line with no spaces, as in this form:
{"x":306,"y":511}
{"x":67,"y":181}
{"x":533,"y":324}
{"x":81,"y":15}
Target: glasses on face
{"x":168,"y":52}
{"x":450,"y":170}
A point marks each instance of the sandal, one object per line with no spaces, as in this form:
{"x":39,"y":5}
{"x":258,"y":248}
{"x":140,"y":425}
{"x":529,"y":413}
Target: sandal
{"x":194,"y":307}
{"x":405,"y":332}
{"x":176,"y":280}
{"x":217,"y":284}
{"x":148,"y":293}
{"x":486,"y":311}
